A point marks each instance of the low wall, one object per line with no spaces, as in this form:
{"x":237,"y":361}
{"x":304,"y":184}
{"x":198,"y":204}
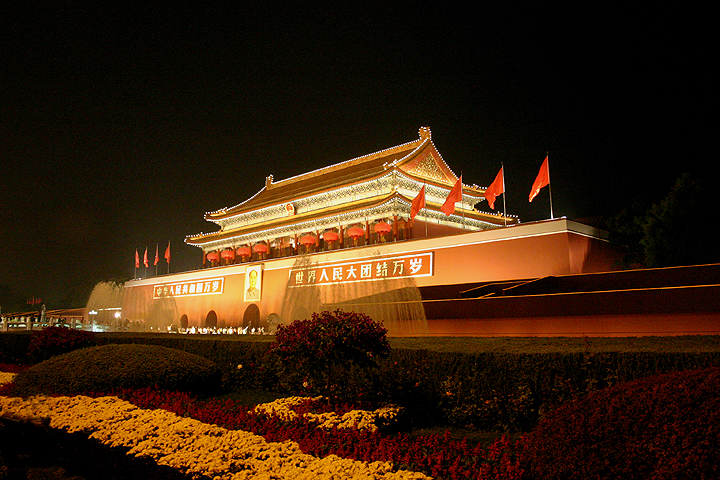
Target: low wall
{"x":690,"y":310}
{"x":587,"y":326}
{"x":621,"y":280}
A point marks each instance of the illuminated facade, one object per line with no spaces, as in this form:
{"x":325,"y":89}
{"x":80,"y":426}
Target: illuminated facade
{"x":342,"y":237}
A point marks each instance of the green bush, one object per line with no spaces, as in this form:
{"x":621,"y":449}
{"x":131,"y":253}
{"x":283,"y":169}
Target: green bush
{"x":660,"y":427}
{"x":328,"y":353}
{"x":52,"y":341}
{"x":510,"y":392}
{"x":108,"y":367}
{"x":245,"y":363}
{"x":486,"y":390}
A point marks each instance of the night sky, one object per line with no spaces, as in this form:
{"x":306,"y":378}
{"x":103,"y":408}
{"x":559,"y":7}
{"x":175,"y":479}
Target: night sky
{"x":121,"y":125}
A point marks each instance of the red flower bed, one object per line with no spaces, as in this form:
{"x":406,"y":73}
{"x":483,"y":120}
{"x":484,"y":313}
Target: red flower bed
{"x":52,"y":341}
{"x":435,"y":455}
{"x":4,"y":367}
{"x":661,"y":427}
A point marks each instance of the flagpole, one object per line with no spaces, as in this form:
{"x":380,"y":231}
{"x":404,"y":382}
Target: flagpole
{"x":552,"y":217}
{"x":502,"y":167}
{"x":425,"y":207}
{"x":461,"y":200}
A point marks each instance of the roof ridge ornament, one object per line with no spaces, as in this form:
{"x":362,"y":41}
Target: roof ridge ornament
{"x":428,"y":168}
{"x":268,"y":181}
{"x":424,"y":133}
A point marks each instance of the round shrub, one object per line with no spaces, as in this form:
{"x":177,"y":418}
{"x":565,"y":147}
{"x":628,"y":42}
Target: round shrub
{"x":331,"y":353}
{"x":109,"y":367}
{"x":660,"y":427}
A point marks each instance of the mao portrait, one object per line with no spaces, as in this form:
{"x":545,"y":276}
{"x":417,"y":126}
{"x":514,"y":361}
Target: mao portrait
{"x":253,"y":284}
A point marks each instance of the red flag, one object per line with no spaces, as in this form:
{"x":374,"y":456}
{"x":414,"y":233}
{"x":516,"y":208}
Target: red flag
{"x":145,"y":260}
{"x":137,"y":259}
{"x":157,"y":257}
{"x":418,"y":203}
{"x":542,"y":180}
{"x":496,"y":188}
{"x":455,"y":196}
{"x":167,"y":253}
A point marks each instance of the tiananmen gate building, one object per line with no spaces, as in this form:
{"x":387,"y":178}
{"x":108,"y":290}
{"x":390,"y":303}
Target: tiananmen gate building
{"x":343,"y":237}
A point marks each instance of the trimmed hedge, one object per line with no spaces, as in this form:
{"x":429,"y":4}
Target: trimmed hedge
{"x":491,"y":391}
{"x":661,"y":427}
{"x":511,"y":392}
{"x":243,"y":364}
{"x":109,"y":367}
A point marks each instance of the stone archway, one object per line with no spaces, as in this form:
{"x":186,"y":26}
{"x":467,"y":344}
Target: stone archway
{"x":211,"y":319}
{"x":251,"y":318}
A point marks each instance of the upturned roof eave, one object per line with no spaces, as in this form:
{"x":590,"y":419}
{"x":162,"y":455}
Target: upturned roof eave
{"x":467,"y":190}
{"x":344,"y":209}
{"x":255,"y":202}
{"x":347,"y":209}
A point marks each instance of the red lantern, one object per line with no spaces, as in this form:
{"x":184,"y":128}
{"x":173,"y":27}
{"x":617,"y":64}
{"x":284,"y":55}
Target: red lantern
{"x":307,"y":240}
{"x":260,"y":248}
{"x":227,"y":254}
{"x":213,"y":256}
{"x":382,"y":228}
{"x":243,"y":251}
{"x":356,"y":232}
{"x":330,"y":236}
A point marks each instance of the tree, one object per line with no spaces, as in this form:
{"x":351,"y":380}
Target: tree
{"x":626,"y":232}
{"x":678,"y":230}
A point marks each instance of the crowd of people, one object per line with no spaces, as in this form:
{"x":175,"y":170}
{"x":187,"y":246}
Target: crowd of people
{"x":30,"y":322}
{"x":220,"y":330}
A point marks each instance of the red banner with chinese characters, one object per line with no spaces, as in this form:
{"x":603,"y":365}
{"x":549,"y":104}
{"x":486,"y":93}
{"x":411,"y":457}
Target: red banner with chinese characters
{"x":418,"y":265}
{"x":207,"y":286}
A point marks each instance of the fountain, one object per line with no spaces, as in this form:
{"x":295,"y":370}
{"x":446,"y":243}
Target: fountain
{"x":300,"y":303}
{"x":104,"y":306}
{"x":142,"y":312}
{"x":396,"y":302}
{"x":112,"y":308}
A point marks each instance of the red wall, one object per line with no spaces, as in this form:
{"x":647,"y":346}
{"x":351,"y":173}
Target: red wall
{"x":557,"y":247}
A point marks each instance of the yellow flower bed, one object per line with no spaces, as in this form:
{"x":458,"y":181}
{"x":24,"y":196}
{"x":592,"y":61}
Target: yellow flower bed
{"x":6,"y":377}
{"x":189,"y":445}
{"x":354,"y":419}
{"x":282,"y":407}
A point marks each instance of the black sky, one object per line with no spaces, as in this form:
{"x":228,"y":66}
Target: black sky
{"x":121,"y":125}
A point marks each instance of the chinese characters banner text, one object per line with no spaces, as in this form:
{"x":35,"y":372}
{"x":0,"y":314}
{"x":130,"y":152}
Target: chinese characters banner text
{"x":419,"y":265}
{"x":192,"y":287}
